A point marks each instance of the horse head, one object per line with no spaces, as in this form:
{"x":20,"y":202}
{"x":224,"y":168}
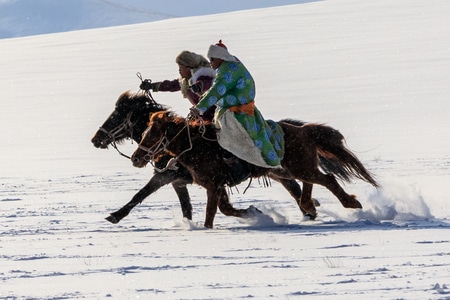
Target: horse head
{"x":163,"y":129}
{"x":127,"y":121}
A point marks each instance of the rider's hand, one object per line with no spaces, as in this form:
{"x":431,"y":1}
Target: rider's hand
{"x":146,"y":85}
{"x":196,"y":87}
{"x":194,"y":113}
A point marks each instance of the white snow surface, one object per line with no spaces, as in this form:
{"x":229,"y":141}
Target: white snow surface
{"x":379,"y":71}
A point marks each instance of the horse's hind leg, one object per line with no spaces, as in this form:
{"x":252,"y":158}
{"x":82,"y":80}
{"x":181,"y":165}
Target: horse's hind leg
{"x":291,"y":186}
{"x":303,"y":199}
{"x":306,"y":202}
{"x":307,"y":206}
{"x":348,"y":201}
{"x":218,"y":198}
{"x":330,"y":182}
{"x":226,"y":208}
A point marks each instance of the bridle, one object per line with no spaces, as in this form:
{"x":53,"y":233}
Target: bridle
{"x":126,"y":125}
{"x":161,"y":146}
{"x":155,"y":149}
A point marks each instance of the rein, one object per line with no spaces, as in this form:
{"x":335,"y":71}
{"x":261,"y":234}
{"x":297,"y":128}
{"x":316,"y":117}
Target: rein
{"x":161,"y":146}
{"x":158,"y":147}
{"x":126,"y":125}
{"x":118,"y":151}
{"x":171,"y":164}
{"x":202,"y":126}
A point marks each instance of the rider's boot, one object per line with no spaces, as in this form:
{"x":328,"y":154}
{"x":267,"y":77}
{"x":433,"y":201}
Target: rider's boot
{"x":238,"y":169}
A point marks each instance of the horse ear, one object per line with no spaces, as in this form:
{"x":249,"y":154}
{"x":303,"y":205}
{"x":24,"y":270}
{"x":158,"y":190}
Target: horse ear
{"x":161,"y":115}
{"x":122,"y":97}
{"x":152,"y":117}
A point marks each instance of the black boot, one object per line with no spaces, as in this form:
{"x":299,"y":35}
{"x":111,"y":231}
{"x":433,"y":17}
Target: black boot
{"x":238,"y":169}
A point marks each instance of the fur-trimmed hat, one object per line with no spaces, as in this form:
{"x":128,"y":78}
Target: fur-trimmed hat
{"x":191,"y":60}
{"x":219,"y":50}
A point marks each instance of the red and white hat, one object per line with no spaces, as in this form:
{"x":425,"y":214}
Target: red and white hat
{"x":219,"y":50}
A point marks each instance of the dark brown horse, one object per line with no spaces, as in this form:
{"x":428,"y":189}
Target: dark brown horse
{"x":128,"y":121}
{"x":195,"y":147}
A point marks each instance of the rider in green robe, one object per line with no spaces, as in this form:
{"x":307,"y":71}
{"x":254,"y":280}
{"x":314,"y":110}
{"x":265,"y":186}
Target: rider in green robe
{"x":243,"y":130}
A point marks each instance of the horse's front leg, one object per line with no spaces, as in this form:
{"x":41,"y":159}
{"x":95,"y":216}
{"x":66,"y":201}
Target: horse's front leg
{"x":156,"y":182}
{"x":211,"y":206}
{"x":185,"y":200}
{"x":179,"y":179}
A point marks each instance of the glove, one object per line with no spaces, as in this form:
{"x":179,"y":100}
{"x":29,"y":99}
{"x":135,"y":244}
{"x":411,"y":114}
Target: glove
{"x":196,"y":87}
{"x":194,"y":114}
{"x":146,"y":84}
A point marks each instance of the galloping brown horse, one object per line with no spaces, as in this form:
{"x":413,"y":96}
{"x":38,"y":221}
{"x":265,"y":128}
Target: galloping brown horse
{"x":194,"y":146}
{"x":129,"y":120}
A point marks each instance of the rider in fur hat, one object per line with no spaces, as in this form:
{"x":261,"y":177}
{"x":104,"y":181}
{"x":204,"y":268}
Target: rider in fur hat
{"x":195,"y":71}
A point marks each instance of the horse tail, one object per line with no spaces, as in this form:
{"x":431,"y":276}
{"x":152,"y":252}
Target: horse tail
{"x":330,"y":144}
{"x":328,"y":164}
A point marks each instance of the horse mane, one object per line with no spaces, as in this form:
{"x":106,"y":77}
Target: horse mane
{"x":293,"y":122}
{"x":143,"y":98}
{"x":177,"y":118}
{"x":167,"y":115}
{"x":302,"y":123}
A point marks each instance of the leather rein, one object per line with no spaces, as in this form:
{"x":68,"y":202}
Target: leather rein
{"x":161,"y":146}
{"x":126,"y":125}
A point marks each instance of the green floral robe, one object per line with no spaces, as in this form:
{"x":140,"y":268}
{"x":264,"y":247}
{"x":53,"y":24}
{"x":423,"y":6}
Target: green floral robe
{"x":234,"y":86}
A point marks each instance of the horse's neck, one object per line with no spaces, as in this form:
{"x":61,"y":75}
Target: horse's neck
{"x":141,"y":126}
{"x":180,"y":138}
{"x":195,"y":138}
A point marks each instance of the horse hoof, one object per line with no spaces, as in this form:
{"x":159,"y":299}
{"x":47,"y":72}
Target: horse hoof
{"x":311,"y":217}
{"x":253,"y":210}
{"x":352,"y":203}
{"x":112,"y":219}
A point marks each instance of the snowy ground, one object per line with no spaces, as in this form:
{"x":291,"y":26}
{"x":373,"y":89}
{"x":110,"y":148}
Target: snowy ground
{"x":377,"y":71}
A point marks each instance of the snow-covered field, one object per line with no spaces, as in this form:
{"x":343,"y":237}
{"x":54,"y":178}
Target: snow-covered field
{"x":378,"y":71}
